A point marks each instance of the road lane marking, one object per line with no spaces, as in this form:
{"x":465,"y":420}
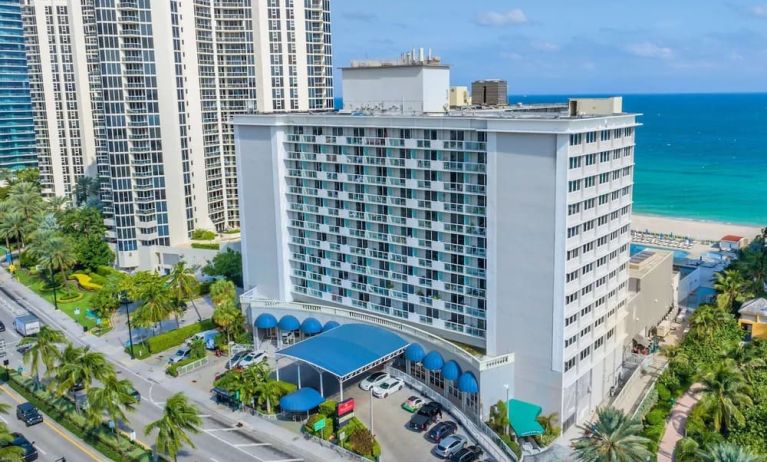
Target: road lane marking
{"x":46,"y":422}
{"x":230,"y":445}
{"x":37,"y":446}
{"x":249,"y":445}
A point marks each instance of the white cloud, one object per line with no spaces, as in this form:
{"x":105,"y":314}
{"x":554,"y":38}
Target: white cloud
{"x":650,"y":50}
{"x":545,"y":46}
{"x":511,"y":55}
{"x":501,"y":18}
{"x":759,"y":10}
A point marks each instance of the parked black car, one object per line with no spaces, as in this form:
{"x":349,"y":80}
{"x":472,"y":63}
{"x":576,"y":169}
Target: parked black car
{"x":30,"y":453}
{"x":425,"y":416}
{"x":467,"y":454}
{"x":28,"y":413}
{"x":2,"y":326}
{"x":135,"y":394}
{"x":441,"y":430}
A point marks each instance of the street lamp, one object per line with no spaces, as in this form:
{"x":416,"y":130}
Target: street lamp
{"x":124,"y":301}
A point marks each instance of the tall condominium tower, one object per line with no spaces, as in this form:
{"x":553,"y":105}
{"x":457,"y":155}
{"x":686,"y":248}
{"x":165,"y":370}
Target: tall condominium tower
{"x":63,"y":92}
{"x":143,"y":93}
{"x":506,"y":230}
{"x":17,"y":134}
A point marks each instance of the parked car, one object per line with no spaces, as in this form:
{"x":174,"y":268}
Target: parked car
{"x":467,"y":454}
{"x":387,"y":387}
{"x":232,"y":363}
{"x":180,"y":355}
{"x":28,"y":413}
{"x":208,"y":338}
{"x":27,"y":325}
{"x":30,"y":453}
{"x":413,"y":404}
{"x":441,"y":431}
{"x":134,"y":394}
{"x":2,"y":326}
{"x":449,"y":446}
{"x":373,"y":379}
{"x":427,"y":415}
{"x":252,"y":358}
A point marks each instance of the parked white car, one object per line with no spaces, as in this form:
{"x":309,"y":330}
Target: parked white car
{"x":387,"y":387}
{"x":180,"y":355}
{"x":373,"y":380}
{"x":252,"y":358}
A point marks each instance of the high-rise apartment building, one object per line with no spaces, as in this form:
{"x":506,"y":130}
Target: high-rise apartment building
{"x":506,"y":230}
{"x":142,"y":93}
{"x":17,"y":134}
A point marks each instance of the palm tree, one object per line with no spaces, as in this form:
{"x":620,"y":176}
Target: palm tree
{"x":728,"y":452}
{"x":221,"y":291}
{"x":25,"y":198}
{"x":113,"y":398}
{"x":184,"y":285}
{"x":44,"y":350}
{"x":707,"y":318}
{"x":80,"y":367}
{"x":156,"y":302}
{"x":227,"y":316}
{"x":730,"y":285}
{"x":54,"y":252}
{"x":179,"y":418}
{"x":675,"y":354}
{"x":268,"y":392}
{"x":612,"y":437}
{"x":725,"y":393}
{"x":4,"y":211}
{"x":8,"y":453}
{"x":754,"y":265}
{"x":14,"y":225}
{"x":687,"y":450}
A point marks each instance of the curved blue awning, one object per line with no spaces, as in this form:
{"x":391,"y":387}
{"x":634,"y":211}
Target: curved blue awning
{"x":330,"y":325}
{"x":467,"y":383}
{"x":302,"y":400}
{"x":265,"y":321}
{"x":311,"y":326}
{"x":289,"y":322}
{"x":414,"y":352}
{"x":433,"y":361}
{"x":451,"y":370}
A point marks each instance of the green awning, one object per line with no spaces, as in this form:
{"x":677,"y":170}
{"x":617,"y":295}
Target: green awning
{"x":522,"y":418}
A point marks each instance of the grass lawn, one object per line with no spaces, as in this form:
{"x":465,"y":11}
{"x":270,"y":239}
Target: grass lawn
{"x":81,"y":301}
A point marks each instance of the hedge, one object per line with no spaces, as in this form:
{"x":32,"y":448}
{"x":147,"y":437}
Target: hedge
{"x":206,"y":245}
{"x":62,"y":411}
{"x":174,"y":338}
{"x":203,"y":235}
{"x":86,"y":282}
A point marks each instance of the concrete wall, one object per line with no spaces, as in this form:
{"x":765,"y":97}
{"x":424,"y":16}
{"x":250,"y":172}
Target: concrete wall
{"x":687,"y":284}
{"x":655,"y":295}
{"x":521,"y":269}
{"x":406,"y":88}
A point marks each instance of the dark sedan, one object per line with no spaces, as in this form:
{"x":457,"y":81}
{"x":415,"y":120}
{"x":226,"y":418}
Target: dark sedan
{"x":28,"y":413}
{"x":425,"y":416}
{"x":441,"y":430}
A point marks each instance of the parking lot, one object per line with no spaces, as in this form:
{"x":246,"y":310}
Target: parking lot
{"x":390,"y":425}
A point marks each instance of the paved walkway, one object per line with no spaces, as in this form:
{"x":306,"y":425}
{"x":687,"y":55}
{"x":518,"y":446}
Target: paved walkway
{"x":677,"y":419}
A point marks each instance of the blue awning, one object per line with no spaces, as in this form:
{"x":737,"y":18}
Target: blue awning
{"x":433,"y":361}
{"x":451,"y":370}
{"x":414,"y":352}
{"x":311,"y":326}
{"x":288,"y":323}
{"x":467,"y":383}
{"x":330,"y":325}
{"x":266,"y":321}
{"x":523,"y":418}
{"x":302,"y":400}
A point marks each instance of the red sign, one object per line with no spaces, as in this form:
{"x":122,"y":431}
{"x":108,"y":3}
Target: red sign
{"x":344,"y":407}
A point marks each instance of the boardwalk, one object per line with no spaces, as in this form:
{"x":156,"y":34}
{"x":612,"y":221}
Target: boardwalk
{"x":675,"y":426}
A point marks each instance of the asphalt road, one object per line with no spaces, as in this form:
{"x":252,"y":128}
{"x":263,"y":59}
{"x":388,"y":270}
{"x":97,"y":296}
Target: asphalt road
{"x":51,"y":440}
{"x":220,"y":440}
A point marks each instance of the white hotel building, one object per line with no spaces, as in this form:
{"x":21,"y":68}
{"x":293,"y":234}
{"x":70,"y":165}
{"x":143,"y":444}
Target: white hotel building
{"x":505,"y":230}
{"x":141,"y":93}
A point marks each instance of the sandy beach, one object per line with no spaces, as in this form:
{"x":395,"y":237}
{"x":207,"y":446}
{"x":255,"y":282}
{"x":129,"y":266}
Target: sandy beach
{"x":702,"y":230}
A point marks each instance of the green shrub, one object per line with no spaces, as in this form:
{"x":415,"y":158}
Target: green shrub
{"x":86,"y":282}
{"x":232,"y":231}
{"x":664,"y":394}
{"x":205,"y":288}
{"x":206,"y":245}
{"x":286,"y":387}
{"x":176,"y":337}
{"x":328,"y":408}
{"x":96,"y":278}
{"x":654,"y":432}
{"x":362,"y":442}
{"x":656,"y":417}
{"x":203,"y":235}
{"x":172,"y":370}
{"x":512,"y":444}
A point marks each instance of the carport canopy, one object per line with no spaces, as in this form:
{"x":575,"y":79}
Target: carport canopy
{"x":347,"y":350}
{"x":523,"y":418}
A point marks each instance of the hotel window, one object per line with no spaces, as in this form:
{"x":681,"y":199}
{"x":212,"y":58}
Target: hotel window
{"x":604,"y":156}
{"x":575,"y":162}
{"x":572,"y":276}
{"x":571,"y":298}
{"x":435,"y":379}
{"x":574,"y":231}
{"x":576,"y":139}
{"x":610,"y":333}
{"x":629,"y":131}
{"x":591,"y":137}
{"x":588,"y":204}
{"x":605,"y":135}
{"x":600,"y":341}
{"x":617,"y":133}
{"x":599,"y":321}
{"x":587,"y":289}
{"x":569,"y":364}
{"x":584,"y":312}
{"x":572,"y":209}
{"x":574,"y":185}
{"x":570,"y":341}
{"x":585,"y":353}
{"x":589,"y":181}
{"x":572,"y":319}
{"x":588,"y":226}
{"x":573,"y":253}
{"x":591,"y":159}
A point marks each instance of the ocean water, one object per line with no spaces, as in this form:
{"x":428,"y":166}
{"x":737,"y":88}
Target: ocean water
{"x":698,"y":156}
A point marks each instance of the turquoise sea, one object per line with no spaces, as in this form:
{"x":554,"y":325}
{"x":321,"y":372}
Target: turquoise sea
{"x":698,"y":156}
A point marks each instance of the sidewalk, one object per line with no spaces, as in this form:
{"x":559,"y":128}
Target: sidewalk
{"x":163,"y":385}
{"x":677,"y":420}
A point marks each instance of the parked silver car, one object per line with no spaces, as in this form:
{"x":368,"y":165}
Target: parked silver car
{"x":449,"y":446}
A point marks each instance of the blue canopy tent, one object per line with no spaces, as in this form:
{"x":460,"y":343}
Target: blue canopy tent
{"x":330,"y":325}
{"x":311,"y":326}
{"x":451,"y":370}
{"x":467,"y":383}
{"x":414,"y":352}
{"x":288,"y":323}
{"x":302,"y":400}
{"x":433,"y":361}
{"x":263,"y":321}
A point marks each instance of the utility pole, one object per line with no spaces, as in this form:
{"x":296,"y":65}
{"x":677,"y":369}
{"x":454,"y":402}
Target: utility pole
{"x":124,"y":302}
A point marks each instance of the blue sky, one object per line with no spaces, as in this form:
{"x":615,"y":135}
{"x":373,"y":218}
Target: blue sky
{"x":573,"y":46}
